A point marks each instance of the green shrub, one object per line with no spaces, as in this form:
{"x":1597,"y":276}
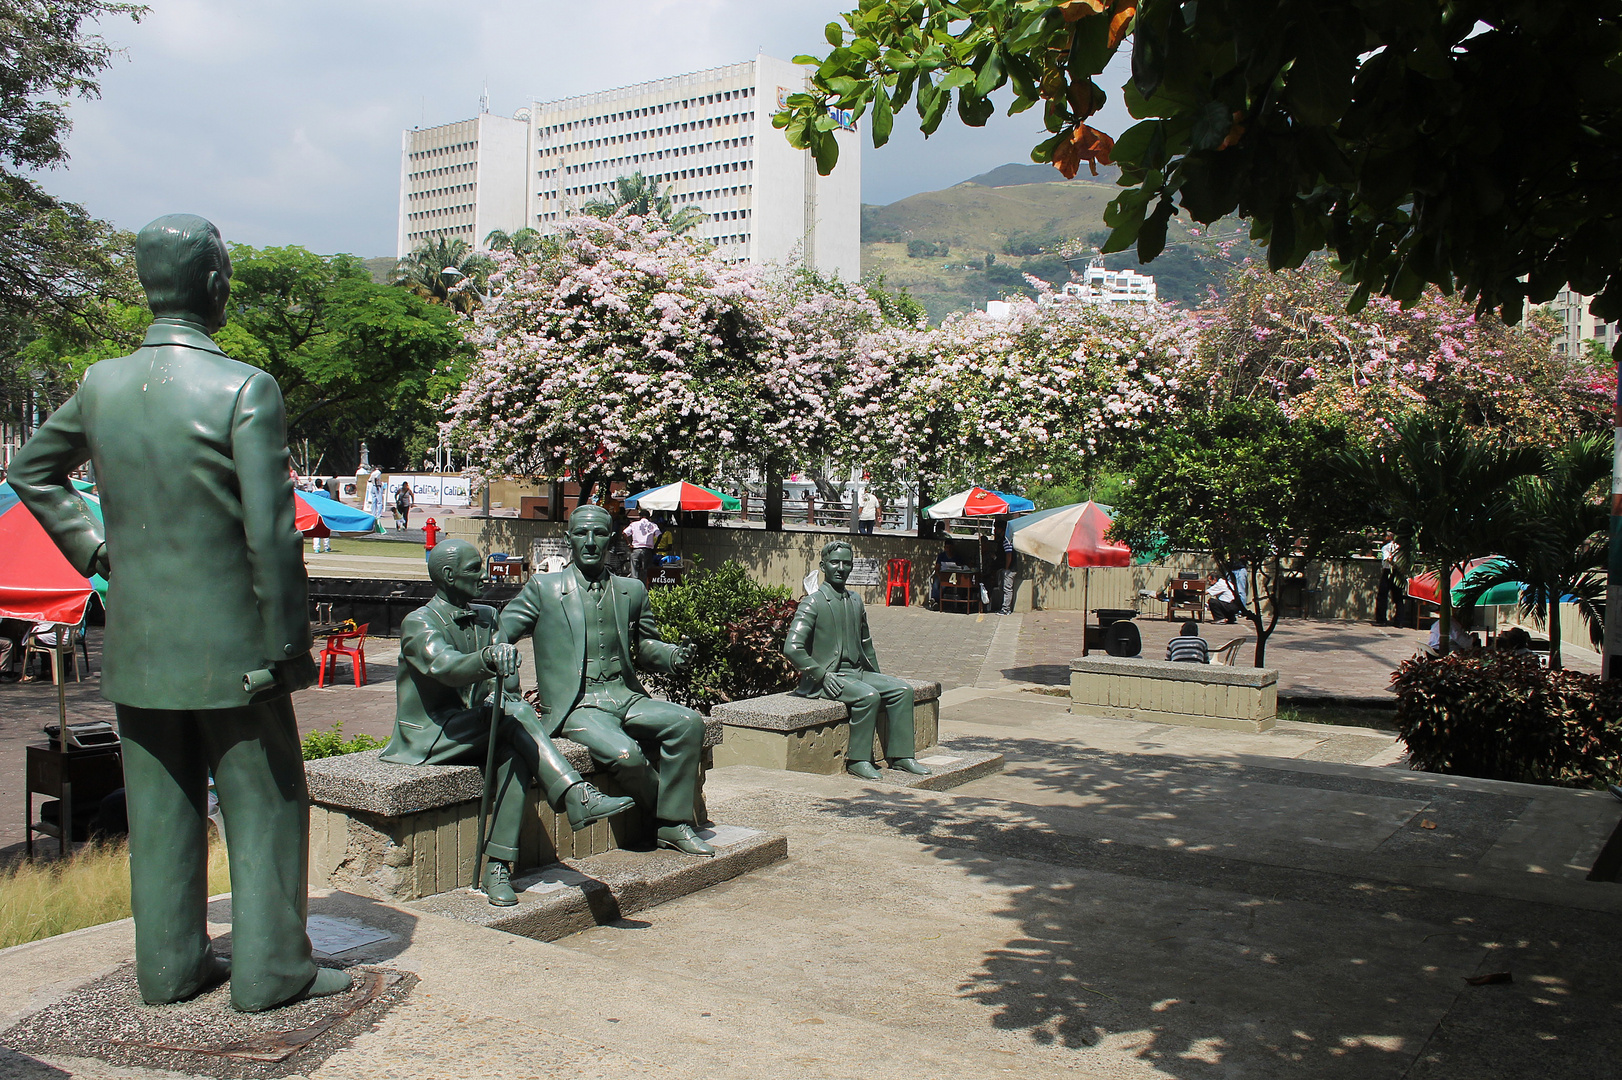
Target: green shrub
{"x":320,"y":744}
{"x":1505,"y":717}
{"x":738,"y":627}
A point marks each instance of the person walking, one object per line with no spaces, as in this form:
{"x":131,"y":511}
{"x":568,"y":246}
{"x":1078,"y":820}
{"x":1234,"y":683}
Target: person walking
{"x":644,"y":537}
{"x":1010,"y":570}
{"x":1391,"y":584}
{"x":404,"y":500}
{"x":376,"y":490}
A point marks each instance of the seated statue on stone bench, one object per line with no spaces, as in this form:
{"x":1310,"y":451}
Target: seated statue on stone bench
{"x":450,"y":655}
{"x":592,"y":631}
{"x":829,"y":644}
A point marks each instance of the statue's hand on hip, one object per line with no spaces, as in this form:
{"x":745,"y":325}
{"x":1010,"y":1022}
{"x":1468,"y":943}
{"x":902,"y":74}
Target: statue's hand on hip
{"x":502,"y":659}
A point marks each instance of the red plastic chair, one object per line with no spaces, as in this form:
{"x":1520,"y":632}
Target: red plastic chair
{"x":335,"y":649}
{"x":899,"y":576}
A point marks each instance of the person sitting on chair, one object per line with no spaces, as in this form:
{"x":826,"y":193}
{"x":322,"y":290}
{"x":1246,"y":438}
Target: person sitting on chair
{"x":1221,"y":599}
{"x":450,"y":655}
{"x":1188,"y":647}
{"x":829,"y":644}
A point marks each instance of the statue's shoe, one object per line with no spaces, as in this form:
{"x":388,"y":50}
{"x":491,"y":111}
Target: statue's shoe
{"x":498,"y":883}
{"x":327,"y":981}
{"x":585,"y":804}
{"x":907,"y":764}
{"x":682,"y":838}
{"x":864,"y":769}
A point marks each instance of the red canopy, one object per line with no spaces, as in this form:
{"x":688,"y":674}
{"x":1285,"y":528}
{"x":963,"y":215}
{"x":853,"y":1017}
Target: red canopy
{"x":39,"y":585}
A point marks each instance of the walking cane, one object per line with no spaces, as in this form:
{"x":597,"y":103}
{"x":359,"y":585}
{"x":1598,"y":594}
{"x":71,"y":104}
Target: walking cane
{"x":489,"y":781}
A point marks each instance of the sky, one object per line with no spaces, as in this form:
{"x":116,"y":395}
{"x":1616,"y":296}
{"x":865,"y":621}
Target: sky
{"x":281,"y":121}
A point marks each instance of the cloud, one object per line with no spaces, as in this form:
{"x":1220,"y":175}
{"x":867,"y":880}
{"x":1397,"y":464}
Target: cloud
{"x":282,"y":122}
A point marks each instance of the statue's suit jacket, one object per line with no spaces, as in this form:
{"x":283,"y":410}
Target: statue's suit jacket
{"x":551,"y":608}
{"x":207,"y":578}
{"x":812,"y":645}
{"x":442,"y":683}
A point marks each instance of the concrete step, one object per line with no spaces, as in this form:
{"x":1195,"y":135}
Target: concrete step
{"x":577,"y":894}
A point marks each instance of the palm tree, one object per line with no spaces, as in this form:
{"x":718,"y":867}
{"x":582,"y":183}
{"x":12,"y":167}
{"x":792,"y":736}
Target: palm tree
{"x":446,"y":271}
{"x":525,"y":241}
{"x":1448,"y":491}
{"x":1563,"y":551}
{"x":640,"y":195}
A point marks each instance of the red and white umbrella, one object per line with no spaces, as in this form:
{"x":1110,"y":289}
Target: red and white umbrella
{"x":1071,"y":535}
{"x":682,"y":496}
{"x":978,"y":502}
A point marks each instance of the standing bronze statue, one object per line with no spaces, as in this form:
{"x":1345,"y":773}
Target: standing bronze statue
{"x":207,"y":624}
{"x":592,"y":630}
{"x":450,"y":657}
{"x":829,"y":644}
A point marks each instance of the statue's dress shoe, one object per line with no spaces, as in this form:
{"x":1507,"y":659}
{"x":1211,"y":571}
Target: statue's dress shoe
{"x":907,"y":764}
{"x":682,"y":838}
{"x":865,"y":769}
{"x":498,"y":883}
{"x":327,"y":981}
{"x":585,"y":804}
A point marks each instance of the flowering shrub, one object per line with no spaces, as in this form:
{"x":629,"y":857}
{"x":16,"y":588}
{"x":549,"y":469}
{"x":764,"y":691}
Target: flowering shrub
{"x":1288,"y":337}
{"x":1505,"y":717}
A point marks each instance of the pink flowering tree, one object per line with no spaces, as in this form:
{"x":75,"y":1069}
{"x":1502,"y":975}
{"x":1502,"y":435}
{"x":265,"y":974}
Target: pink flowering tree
{"x":1018,"y":401}
{"x":1287,"y":337}
{"x":623,"y":352}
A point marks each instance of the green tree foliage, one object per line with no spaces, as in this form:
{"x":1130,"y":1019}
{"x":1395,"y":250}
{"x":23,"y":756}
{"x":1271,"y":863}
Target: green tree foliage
{"x":738,"y":627}
{"x":446,"y":271}
{"x":354,"y":359}
{"x":641,"y":196}
{"x":1469,"y":145}
{"x":1560,"y":548}
{"x":1248,"y":484}
{"x":1447,"y":491}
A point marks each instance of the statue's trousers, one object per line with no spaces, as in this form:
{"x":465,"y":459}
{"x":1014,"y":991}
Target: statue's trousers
{"x":864,"y":692}
{"x":253,"y":753}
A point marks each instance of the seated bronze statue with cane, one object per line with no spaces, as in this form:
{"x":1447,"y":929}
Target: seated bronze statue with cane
{"x":451,"y":708}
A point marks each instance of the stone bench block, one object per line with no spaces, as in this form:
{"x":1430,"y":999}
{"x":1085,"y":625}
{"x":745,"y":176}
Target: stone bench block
{"x":401,"y":832}
{"x":797,"y":734}
{"x":1159,"y":692}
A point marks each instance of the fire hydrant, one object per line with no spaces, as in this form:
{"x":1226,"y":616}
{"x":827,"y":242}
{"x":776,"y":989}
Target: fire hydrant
{"x":430,"y":534}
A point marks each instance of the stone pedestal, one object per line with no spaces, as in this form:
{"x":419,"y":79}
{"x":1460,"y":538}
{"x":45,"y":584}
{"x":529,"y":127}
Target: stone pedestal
{"x":1158,"y":692}
{"x":783,"y":731}
{"x":400,"y":832}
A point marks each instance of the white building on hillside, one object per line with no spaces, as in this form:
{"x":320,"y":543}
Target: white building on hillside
{"x":706,"y":137}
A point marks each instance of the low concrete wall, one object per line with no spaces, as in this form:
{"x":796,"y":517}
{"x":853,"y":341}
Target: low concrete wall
{"x":1340,"y":588}
{"x":796,"y":734}
{"x":402,"y":832}
{"x":1190,"y":695}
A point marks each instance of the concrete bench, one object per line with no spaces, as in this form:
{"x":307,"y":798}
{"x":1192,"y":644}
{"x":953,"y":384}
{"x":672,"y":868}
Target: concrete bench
{"x":400,"y":832}
{"x":784,"y":731}
{"x":1158,"y":692}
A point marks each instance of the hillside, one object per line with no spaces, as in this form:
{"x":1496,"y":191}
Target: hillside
{"x":380,"y":268}
{"x":956,"y":248}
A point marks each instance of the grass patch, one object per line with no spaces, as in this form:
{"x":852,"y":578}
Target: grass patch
{"x":90,"y":887}
{"x":1343,"y":715}
{"x":398,"y":549}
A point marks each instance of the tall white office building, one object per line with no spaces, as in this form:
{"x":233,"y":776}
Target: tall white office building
{"x":706,"y":137}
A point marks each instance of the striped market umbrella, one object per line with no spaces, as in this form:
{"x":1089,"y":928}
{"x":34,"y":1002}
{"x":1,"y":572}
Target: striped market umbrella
{"x":682,"y":496}
{"x":1071,"y":536}
{"x":979,"y":502}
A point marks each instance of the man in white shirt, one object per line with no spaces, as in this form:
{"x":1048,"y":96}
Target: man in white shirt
{"x":1221,"y":599}
{"x":868,"y":512}
{"x":643,"y":535}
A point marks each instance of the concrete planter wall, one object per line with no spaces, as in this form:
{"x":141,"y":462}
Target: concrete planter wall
{"x":402,"y":832}
{"x":1191,"y":695}
{"x":781,"y":731}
